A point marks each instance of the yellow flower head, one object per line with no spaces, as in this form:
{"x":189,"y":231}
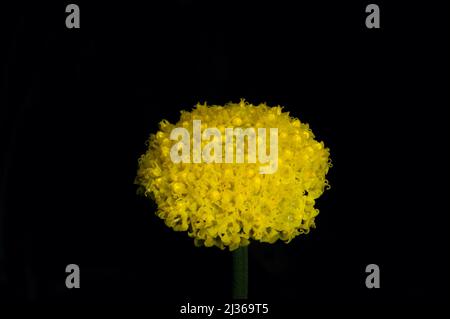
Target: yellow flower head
{"x":227,"y":204}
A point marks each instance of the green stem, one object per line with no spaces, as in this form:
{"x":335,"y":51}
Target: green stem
{"x":240,"y":273}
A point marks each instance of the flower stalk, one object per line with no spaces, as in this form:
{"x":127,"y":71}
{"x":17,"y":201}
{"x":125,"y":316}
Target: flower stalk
{"x":240,"y":273}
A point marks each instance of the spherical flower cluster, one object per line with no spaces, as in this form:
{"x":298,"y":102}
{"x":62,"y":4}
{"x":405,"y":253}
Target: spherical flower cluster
{"x":230,"y":204}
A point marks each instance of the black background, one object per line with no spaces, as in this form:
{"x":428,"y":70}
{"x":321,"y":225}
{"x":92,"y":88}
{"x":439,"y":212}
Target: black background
{"x":78,"y":105}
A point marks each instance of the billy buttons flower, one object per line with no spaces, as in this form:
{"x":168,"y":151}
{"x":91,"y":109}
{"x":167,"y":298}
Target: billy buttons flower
{"x":229,"y":204}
